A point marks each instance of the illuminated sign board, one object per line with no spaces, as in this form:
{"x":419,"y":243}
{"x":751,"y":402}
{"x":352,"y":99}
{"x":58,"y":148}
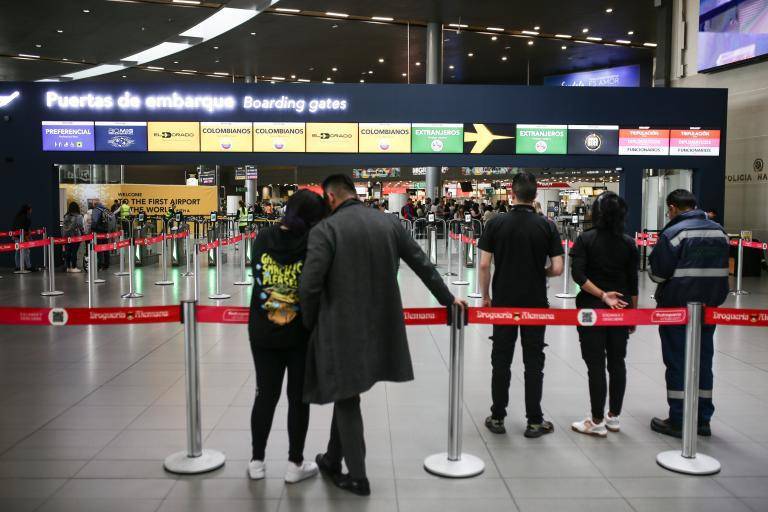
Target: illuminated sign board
{"x":6,"y":99}
{"x":173,"y":136}
{"x":437,"y":138}
{"x":226,"y":137}
{"x":694,"y":142}
{"x":121,"y":136}
{"x":379,"y":172}
{"x":593,"y":140}
{"x":489,"y":139}
{"x":620,"y":76}
{"x":332,"y":137}
{"x":542,"y":139}
{"x":385,"y":138}
{"x":643,"y":141}
{"x":68,"y":136}
{"x":279,"y":137}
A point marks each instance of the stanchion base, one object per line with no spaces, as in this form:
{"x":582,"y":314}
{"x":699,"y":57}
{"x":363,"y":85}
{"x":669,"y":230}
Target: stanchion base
{"x":219,"y":296}
{"x":739,"y":292}
{"x":52,"y":293}
{"x":181,"y":463}
{"x":22,"y":271}
{"x":132,"y":295}
{"x":243,"y":283}
{"x":460,"y":283}
{"x":474,"y":295}
{"x":187,"y":274}
{"x":467,"y":466}
{"x":450,"y":274}
{"x":96,"y":281}
{"x":163,"y":283}
{"x":121,"y":274}
{"x":700,"y":465}
{"x":565,"y":295}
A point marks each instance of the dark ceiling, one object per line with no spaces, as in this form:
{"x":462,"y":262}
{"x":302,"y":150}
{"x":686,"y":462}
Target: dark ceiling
{"x":309,"y":47}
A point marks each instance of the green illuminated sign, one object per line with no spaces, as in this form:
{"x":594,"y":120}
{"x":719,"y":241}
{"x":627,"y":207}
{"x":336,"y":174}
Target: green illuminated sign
{"x":437,"y":138}
{"x":542,"y":139}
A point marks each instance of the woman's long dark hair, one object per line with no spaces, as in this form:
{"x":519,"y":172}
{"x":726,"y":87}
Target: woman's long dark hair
{"x":609,"y":213}
{"x":303,"y":210}
{"x":74,"y":208}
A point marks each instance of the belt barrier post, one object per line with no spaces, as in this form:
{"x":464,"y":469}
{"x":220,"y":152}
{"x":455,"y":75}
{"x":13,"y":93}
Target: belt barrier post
{"x":196,"y":274}
{"x":566,"y":274}
{"x":131,"y":267}
{"x":218,"y":295}
{"x":51,"y":291}
{"x":22,"y":256}
{"x":164,"y":262}
{"x":450,"y":246}
{"x":739,"y":269}
{"x":460,"y":281}
{"x":454,"y":463}
{"x":688,"y":461}
{"x":91,"y":274}
{"x":93,"y":260}
{"x":122,"y":271}
{"x":243,"y":278}
{"x":476,"y":294}
{"x":432,"y":244}
{"x":188,"y":249}
{"x":194,"y":459}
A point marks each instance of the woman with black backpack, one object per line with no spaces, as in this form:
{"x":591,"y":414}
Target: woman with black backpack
{"x":73,"y":225}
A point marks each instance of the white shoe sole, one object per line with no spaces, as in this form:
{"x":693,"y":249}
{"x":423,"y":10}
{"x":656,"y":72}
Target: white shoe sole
{"x":300,"y":477}
{"x":593,"y":434}
{"x":613,"y":429}
{"x":259,"y":475}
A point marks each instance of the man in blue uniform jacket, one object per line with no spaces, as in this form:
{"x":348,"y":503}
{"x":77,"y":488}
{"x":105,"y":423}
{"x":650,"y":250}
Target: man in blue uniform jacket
{"x":690,"y":264}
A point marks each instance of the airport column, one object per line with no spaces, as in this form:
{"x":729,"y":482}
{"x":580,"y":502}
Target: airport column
{"x":434,"y":76}
{"x":662,"y":69}
{"x":631,"y":189}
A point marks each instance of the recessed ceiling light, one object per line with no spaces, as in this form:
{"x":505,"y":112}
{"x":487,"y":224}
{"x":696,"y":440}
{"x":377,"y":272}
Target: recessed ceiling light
{"x":184,"y":72}
{"x":536,"y":27}
{"x":631,"y":33}
{"x":592,"y":38}
{"x":370,"y":72}
{"x":405,"y":74}
{"x":303,"y":80}
{"x":362,"y":81}
{"x":221,"y":73}
{"x":64,"y":59}
{"x":530,"y":43}
{"x":563,"y":47}
{"x":188,"y":2}
{"x":450,"y":67}
{"x":38,"y":46}
{"x":650,"y":45}
{"x":327,"y":82}
{"x":623,"y":41}
{"x":124,"y":76}
{"x":609,"y":10}
{"x":530,"y":32}
{"x":293,"y":77}
{"x":334,"y":69}
{"x":470,"y":54}
{"x":60,"y":31}
{"x":504,"y":58}
{"x":286,"y":9}
{"x":86,"y":11}
{"x":458,"y":25}
{"x":493,"y":38}
{"x":28,"y":56}
{"x":337,"y":14}
{"x":277,"y":78}
{"x":253,"y":33}
{"x":155,"y":68}
{"x":495,"y":29}
{"x":381,"y":60}
{"x":584,"y":30}
{"x":189,"y":70}
{"x":175,"y":62}
{"x":215,"y":47}
{"x":382,"y":18}
{"x":563,"y":36}
{"x":418,"y":63}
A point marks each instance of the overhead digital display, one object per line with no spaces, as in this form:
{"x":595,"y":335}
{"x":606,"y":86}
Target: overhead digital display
{"x":643,"y":141}
{"x":437,"y":138}
{"x":279,"y":137}
{"x":489,"y":139}
{"x":731,"y":31}
{"x":332,"y":137}
{"x":593,"y":140}
{"x":620,"y":76}
{"x":121,"y":136}
{"x":694,"y":142}
{"x":385,"y":138}
{"x":226,"y":137}
{"x":542,"y":139}
{"x":175,"y":136}
{"x":68,"y":136}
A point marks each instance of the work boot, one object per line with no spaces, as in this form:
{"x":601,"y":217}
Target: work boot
{"x":666,"y":427}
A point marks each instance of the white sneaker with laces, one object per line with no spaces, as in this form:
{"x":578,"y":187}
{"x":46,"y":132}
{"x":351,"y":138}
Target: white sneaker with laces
{"x":612,"y":423}
{"x":590,"y":428}
{"x":257,"y":469}
{"x":296,"y":473}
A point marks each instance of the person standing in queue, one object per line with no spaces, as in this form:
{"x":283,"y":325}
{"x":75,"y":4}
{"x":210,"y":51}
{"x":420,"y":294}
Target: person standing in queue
{"x":23,"y":220}
{"x":72,"y":226}
{"x":277,"y":334}
{"x":690,"y":264}
{"x":125,"y":219}
{"x":242,"y":217}
{"x":519,"y":243}
{"x":351,"y":301}
{"x":605,"y":264}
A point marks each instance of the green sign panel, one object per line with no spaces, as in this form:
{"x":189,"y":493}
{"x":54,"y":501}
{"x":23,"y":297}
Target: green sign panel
{"x":542,"y":139}
{"x":437,"y":138}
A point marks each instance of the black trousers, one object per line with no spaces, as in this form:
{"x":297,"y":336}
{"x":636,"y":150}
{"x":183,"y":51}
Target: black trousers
{"x":271,"y":365}
{"x":601,"y":345}
{"x":347,"y":437}
{"x":532,"y":339}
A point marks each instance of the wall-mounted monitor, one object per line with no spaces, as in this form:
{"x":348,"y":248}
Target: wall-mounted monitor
{"x":731,"y":32}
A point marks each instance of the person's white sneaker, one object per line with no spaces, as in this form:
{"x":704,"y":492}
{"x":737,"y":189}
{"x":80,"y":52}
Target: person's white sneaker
{"x":296,"y":473}
{"x":76,"y":270}
{"x":257,"y":469}
{"x":590,"y":428}
{"x":612,"y":423}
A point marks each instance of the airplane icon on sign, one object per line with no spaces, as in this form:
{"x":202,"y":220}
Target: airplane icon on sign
{"x":5,"y":100}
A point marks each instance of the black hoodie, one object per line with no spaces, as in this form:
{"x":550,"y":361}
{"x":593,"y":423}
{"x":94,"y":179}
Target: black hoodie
{"x":277,"y":259}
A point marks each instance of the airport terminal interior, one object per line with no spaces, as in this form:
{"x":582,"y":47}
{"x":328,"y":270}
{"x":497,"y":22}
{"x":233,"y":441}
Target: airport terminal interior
{"x":152,"y":149}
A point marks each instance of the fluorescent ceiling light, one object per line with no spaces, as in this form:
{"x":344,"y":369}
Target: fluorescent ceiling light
{"x":563,"y":36}
{"x":458,"y":25}
{"x":277,"y":78}
{"x":326,"y":82}
{"x":609,"y":10}
{"x":94,"y":71}
{"x":530,"y":32}
{"x":221,"y":21}
{"x":189,"y":71}
{"x":215,"y":76}
{"x":650,"y":45}
{"x":592,"y":38}
{"x":623,"y":41}
{"x":303,"y":80}
{"x":156,"y":52}
{"x":221,"y":73}
{"x":188,"y":2}
{"x":584,"y":30}
{"x":495,"y":29}
{"x":286,"y":9}
{"x":155,"y":68}
{"x":530,"y":43}
{"x":337,"y":14}
{"x":29,"y":56}
{"x":48,"y":80}
{"x":182,"y":72}
{"x":382,"y":18}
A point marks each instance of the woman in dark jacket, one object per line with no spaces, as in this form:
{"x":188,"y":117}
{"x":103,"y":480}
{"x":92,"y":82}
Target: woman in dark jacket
{"x":277,"y":333}
{"x":605,"y":267}
{"x":23,"y":221}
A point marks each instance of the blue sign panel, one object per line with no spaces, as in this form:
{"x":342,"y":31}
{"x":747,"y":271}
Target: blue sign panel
{"x":121,"y":136}
{"x":67,"y":136}
{"x":622,"y":76}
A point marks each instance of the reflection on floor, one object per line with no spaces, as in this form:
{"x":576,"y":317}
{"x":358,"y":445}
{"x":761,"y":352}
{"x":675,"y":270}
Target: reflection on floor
{"x":88,"y":414}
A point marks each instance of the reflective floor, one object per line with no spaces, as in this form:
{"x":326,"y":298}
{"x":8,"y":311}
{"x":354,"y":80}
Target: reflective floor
{"x":89,"y":413}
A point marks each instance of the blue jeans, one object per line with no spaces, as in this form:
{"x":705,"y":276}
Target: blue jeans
{"x":673,"y":352}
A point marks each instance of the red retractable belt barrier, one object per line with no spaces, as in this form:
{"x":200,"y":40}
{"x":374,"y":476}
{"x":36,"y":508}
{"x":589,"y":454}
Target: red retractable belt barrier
{"x":17,"y":232}
{"x":582,"y":317}
{"x":89,"y":316}
{"x":239,"y":315}
{"x":207,"y":247}
{"x":112,"y":246}
{"x":109,"y":236}
{"x":178,"y":234}
{"x":231,"y":241}
{"x":425,"y":316}
{"x":750,"y":245}
{"x":730,"y":316}
{"x":149,"y":241}
{"x":570,"y":243}
{"x":15,"y":246}
{"x":650,"y":242}
{"x":72,"y":239}
{"x":8,"y":247}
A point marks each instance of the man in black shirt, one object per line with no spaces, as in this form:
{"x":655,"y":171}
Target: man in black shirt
{"x":520,"y":242}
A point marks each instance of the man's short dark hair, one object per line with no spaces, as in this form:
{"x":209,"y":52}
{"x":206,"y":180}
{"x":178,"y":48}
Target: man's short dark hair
{"x":524,"y":186}
{"x":339,"y":184}
{"x":682,"y":199}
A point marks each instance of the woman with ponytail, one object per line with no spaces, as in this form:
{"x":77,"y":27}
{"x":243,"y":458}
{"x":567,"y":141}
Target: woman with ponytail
{"x":605,"y":267}
{"x":277,"y":334}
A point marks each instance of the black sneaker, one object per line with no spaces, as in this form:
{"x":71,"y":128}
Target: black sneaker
{"x":666,"y":427}
{"x":533,"y":431}
{"x":361,"y":486}
{"x":326,"y":467}
{"x":495,"y":425}
{"x":705,"y":430}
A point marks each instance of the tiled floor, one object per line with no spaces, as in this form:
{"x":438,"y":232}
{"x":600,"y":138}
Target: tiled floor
{"x":89,"y":414}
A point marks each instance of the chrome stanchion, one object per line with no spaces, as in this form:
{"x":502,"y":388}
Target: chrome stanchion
{"x":739,"y":269}
{"x":91,"y":273}
{"x":188,"y":250}
{"x":688,"y":461}
{"x":22,"y":256}
{"x":51,"y":291}
{"x":218,"y":294}
{"x":194,"y":459}
{"x":432,"y":244}
{"x":460,"y":281}
{"x":476,"y":294}
{"x":164,"y":262}
{"x":93,"y":261}
{"x":122,"y":271}
{"x":451,"y":244}
{"x":131,"y":268}
{"x":566,"y":275}
{"x":196,"y":274}
{"x":454,"y":463}
{"x":243,"y":278}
